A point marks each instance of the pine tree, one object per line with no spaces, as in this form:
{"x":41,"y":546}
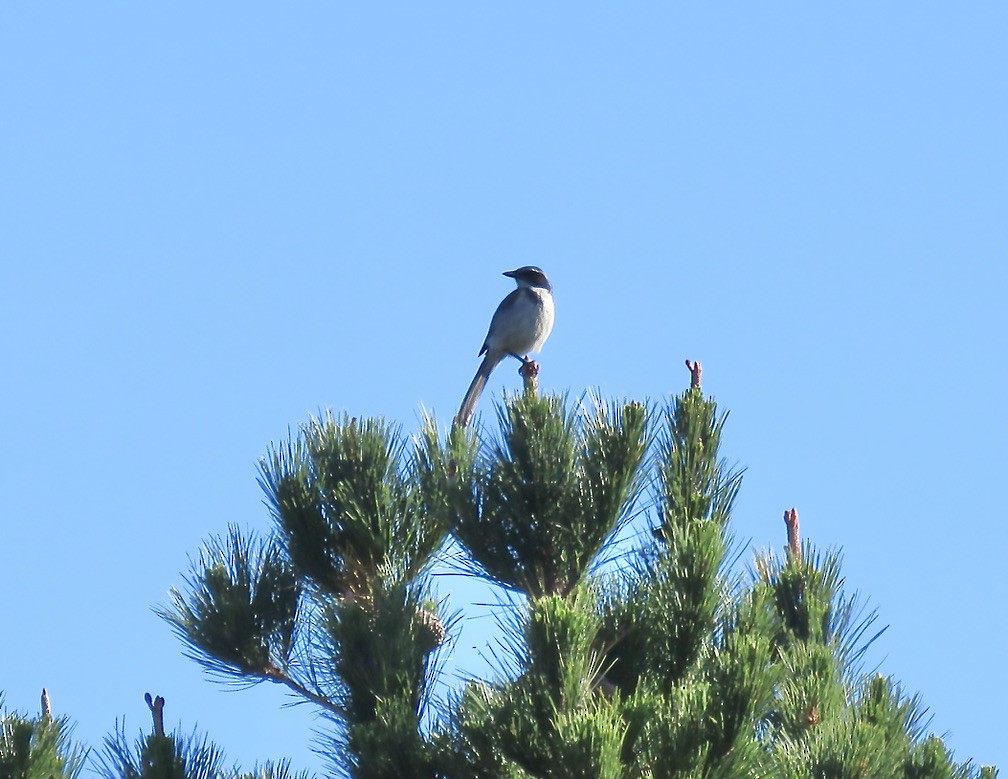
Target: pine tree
{"x":38,"y":747}
{"x":635,"y":645}
{"x":161,"y":755}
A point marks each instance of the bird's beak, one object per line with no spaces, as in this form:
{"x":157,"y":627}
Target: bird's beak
{"x":509,"y":273}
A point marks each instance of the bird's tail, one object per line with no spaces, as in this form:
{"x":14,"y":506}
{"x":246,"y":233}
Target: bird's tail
{"x":472,"y":396}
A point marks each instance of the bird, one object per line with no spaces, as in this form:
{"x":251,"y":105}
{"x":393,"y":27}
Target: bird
{"x":520,"y":325}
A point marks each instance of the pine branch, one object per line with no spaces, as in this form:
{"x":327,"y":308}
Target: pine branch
{"x":278,"y":676}
{"x":670,"y":665}
{"x":536,"y":506}
{"x":240,"y":613}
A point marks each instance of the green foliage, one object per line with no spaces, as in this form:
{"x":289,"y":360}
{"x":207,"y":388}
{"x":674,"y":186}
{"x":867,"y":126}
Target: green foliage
{"x":281,"y":770}
{"x":695,"y":484}
{"x":335,"y":605}
{"x":811,"y":605}
{"x":381,"y":649}
{"x":659,"y":661}
{"x":741,"y":680}
{"x":177,"y":756}
{"x":154,"y":756}
{"x":535,"y":507}
{"x":240,"y":614}
{"x":560,"y":636}
{"x":37,"y":748}
{"x":879,"y":735}
{"x":931,"y":759}
{"x":552,"y":713}
{"x":346,"y":505}
{"x":664,"y":618}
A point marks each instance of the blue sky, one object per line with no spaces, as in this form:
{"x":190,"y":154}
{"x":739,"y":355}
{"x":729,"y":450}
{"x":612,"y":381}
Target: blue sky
{"x":219,"y":220}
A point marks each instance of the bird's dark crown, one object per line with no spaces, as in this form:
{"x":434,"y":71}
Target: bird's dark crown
{"x":530,"y":275}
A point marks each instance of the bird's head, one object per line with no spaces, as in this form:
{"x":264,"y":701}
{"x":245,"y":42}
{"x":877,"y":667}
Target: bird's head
{"x":530,"y":276}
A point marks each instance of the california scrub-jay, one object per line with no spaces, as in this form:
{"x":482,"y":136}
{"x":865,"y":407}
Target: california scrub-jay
{"x":521,"y":324}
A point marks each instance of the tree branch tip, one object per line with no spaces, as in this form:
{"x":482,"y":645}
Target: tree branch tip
{"x":529,"y":371}
{"x":156,"y":705}
{"x":696,"y":371}
{"x":793,"y":533}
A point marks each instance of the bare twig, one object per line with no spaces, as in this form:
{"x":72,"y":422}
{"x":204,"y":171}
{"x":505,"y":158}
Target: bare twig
{"x":793,"y":534}
{"x":529,"y":372}
{"x":695,"y":370}
{"x":156,"y":705}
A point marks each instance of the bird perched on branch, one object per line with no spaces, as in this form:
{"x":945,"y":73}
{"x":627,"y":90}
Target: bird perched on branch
{"x":521,"y":324}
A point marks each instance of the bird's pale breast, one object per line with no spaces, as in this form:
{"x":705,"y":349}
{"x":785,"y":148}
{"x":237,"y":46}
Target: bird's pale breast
{"x":522,"y":322}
